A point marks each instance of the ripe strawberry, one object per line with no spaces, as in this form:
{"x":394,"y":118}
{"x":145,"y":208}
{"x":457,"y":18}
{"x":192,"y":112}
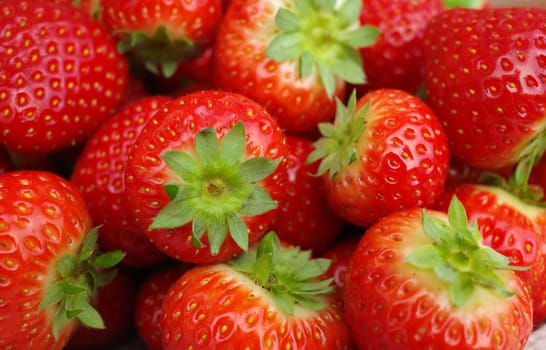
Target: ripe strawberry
{"x":269,"y":297}
{"x":49,"y":266}
{"x":383,"y":153}
{"x":62,"y":75}
{"x":512,"y":227}
{"x":421,"y":279}
{"x":152,"y":292}
{"x":305,"y":217}
{"x":209,"y":162}
{"x":396,"y":58}
{"x":486,"y":82}
{"x":115,"y":302}
{"x":100,"y":175}
{"x":162,"y":32}
{"x":292,"y":57}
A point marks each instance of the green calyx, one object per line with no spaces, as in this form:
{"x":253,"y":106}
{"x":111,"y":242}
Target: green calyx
{"x":518,"y":182}
{"x":216,"y":190}
{"x":475,"y":4}
{"x":79,"y":278}
{"x":337,"y":147}
{"x":160,"y":53}
{"x":457,"y":256}
{"x":324,"y":36}
{"x":288,"y":273}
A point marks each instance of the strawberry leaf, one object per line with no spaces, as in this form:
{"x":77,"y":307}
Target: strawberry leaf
{"x":217,"y":188}
{"x":458,"y":256}
{"x":288,"y":273}
{"x":323,"y":38}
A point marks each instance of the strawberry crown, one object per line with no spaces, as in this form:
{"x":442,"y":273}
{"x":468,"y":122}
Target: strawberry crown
{"x":518,"y":182}
{"x":217,"y":190}
{"x":288,"y":273}
{"x":336,"y":148}
{"x":325,"y":36}
{"x":79,"y":278}
{"x":458,"y":257}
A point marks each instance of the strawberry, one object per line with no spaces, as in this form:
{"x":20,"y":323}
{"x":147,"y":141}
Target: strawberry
{"x":62,"y":75}
{"x":115,"y":302}
{"x":292,"y":57}
{"x":49,"y":270}
{"x":514,"y":228}
{"x":305,"y":217}
{"x":161,"y":33}
{"x":151,"y":293}
{"x":423,"y":279}
{"x":208,"y":162}
{"x":395,"y":60}
{"x":99,"y":173}
{"x":268,"y":297}
{"x":486,"y":82}
{"x":383,"y":153}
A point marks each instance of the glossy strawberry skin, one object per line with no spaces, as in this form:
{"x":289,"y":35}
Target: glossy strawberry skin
{"x":485,"y":81}
{"x":175,"y":128}
{"x":100,"y":175}
{"x":298,"y":104}
{"x":151,"y":293}
{"x":213,"y":307}
{"x":42,"y":217}
{"x":395,"y":60}
{"x":305,"y":217}
{"x":511,"y":227}
{"x":401,"y":160}
{"x":390,"y":304}
{"x":63,"y":75}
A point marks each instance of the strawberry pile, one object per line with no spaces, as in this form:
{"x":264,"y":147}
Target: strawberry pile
{"x":263,"y":174}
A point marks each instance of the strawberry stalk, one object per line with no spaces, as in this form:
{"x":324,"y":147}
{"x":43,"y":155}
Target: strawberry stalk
{"x":79,"y":277}
{"x":324,"y":36}
{"x":216,"y":190}
{"x":457,"y":256}
{"x":288,"y":273}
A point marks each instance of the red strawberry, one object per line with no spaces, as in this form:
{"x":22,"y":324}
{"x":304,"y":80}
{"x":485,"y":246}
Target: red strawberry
{"x":396,"y":59}
{"x":421,"y":279}
{"x":115,"y":302}
{"x":269,"y":297}
{"x":205,"y":176}
{"x":62,"y":75}
{"x":100,"y":174}
{"x":305,"y":217}
{"x":512,"y":227}
{"x":486,"y":82}
{"x":163,"y":32}
{"x":49,"y":267}
{"x":292,"y":57}
{"x":152,"y":292}
{"x":383,"y":153}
